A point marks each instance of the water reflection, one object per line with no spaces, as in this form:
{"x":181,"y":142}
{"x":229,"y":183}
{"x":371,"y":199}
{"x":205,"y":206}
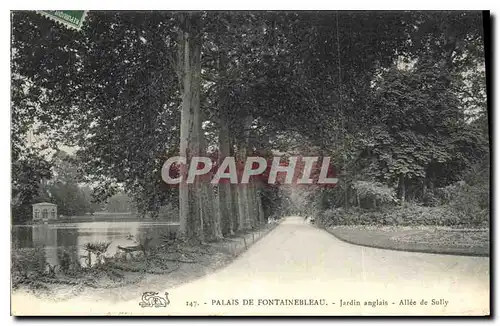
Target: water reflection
{"x":72,"y":237}
{"x":47,"y":239}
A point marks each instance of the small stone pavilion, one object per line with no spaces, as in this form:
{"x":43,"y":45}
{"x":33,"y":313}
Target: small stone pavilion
{"x":44,"y":211}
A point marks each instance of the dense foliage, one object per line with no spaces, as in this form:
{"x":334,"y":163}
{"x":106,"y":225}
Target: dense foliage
{"x":396,"y":98}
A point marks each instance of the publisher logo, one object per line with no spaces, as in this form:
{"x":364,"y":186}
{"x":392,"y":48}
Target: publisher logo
{"x":154,"y":300}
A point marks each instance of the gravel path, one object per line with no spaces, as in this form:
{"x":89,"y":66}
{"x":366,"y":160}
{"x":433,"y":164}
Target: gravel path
{"x":309,"y":272}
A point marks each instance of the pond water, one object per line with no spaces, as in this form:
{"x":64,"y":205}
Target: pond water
{"x":72,"y":237}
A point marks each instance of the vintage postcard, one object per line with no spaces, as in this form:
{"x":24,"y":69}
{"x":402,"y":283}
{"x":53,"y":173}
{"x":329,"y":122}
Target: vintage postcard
{"x":250,"y":163}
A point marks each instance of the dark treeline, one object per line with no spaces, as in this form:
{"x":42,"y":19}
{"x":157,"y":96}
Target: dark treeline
{"x":397,"y":99}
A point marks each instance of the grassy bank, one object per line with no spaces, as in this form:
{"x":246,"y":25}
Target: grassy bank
{"x":440,"y":240}
{"x":163,"y":266}
{"x":410,"y":228}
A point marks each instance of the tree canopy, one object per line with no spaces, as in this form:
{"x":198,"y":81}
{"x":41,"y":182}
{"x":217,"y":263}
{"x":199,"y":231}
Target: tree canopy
{"x":393,"y":97}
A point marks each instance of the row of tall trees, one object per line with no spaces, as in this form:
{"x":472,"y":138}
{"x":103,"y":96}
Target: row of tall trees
{"x":388,"y":95}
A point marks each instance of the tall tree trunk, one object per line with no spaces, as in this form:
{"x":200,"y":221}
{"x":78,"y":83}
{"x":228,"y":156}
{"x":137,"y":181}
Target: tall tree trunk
{"x":243,"y":189}
{"x":237,"y":218}
{"x":225,"y":196}
{"x":242,"y":200}
{"x":210,"y":216}
{"x":346,"y":198}
{"x":253,"y":213}
{"x":217,"y":216}
{"x":256,"y":200}
{"x":402,"y":187}
{"x":226,"y":209}
{"x":259,"y":205}
{"x":189,"y":66}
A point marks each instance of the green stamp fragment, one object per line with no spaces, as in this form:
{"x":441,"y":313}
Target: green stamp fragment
{"x":69,"y":18}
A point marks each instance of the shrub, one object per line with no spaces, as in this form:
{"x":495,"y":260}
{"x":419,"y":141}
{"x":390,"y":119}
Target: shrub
{"x":98,"y":249}
{"x":430,"y":200}
{"x":469,"y":202}
{"x":374,"y":192}
{"x":472,"y":203}
{"x":64,"y":261}
{"x":27,"y":263}
{"x":406,"y":215}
